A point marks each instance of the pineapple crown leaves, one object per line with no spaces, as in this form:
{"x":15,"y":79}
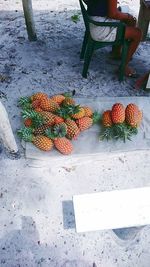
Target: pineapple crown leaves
{"x":68,"y":110}
{"x":118,"y":131}
{"x":60,"y":130}
{"x":106,"y":133}
{"x":123,"y":131}
{"x":49,"y":133}
{"x":37,"y":118}
{"x":57,"y":131}
{"x":25,"y":102}
{"x":96,"y":117}
{"x":69,"y":94}
{"x":26,"y":134}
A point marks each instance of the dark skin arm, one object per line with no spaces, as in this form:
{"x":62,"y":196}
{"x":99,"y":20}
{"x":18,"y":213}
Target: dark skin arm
{"x":114,"y":13}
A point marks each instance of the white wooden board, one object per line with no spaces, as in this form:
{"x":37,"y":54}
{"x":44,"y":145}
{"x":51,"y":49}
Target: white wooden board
{"x":112,"y":210}
{"x":148,"y":83}
{"x":88,"y":145}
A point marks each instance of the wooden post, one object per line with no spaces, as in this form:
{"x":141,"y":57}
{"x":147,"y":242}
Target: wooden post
{"x":28,"y":14}
{"x":144,"y":18}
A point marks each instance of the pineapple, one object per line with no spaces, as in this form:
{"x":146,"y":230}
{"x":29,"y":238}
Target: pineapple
{"x":40,"y":130}
{"x":28,"y":122}
{"x":36,"y":103}
{"x":118,"y":113}
{"x":49,"y":105}
{"x":40,"y":141}
{"x":106,"y":118}
{"x":57,"y":133}
{"x":88,"y":111}
{"x":79,"y":114}
{"x":58,"y":119}
{"x":84,"y":123}
{"x":26,"y":103}
{"x":140,"y":116}
{"x":72,"y":129}
{"x":63,"y":145}
{"x":133,"y":115}
{"x":68,"y":101}
{"x":39,"y":96}
{"x":49,"y":118}
{"x":58,"y":98}
{"x":38,"y":109}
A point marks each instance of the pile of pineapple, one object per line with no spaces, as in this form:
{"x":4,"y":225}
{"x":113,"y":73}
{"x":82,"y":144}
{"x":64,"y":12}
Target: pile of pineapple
{"x":120,"y":122}
{"x":54,"y":121}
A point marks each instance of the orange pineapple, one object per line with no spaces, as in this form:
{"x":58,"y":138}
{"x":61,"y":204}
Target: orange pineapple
{"x":79,"y":114}
{"x":63,"y":145}
{"x":133,"y":115}
{"x":40,"y":141}
{"x":84,"y":123}
{"x":140,"y":116}
{"x":106,"y":118}
{"x":39,"y":96}
{"x":49,"y":105}
{"x":68,"y":101}
{"x":40,"y":130}
{"x":38,"y":109}
{"x":58,"y":119}
{"x":36,"y":103}
{"x":88,"y":111}
{"x":58,"y":98}
{"x":72,"y":129}
{"x":28,"y":122}
{"x":49,"y":118}
{"x":118,"y":113}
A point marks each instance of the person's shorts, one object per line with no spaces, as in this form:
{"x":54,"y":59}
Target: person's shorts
{"x":98,"y":33}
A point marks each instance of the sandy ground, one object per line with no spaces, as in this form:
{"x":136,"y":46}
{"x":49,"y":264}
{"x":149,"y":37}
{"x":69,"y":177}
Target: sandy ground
{"x":37,"y":223}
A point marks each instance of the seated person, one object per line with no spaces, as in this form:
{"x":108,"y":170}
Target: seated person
{"x":142,"y":81}
{"x":106,"y":10}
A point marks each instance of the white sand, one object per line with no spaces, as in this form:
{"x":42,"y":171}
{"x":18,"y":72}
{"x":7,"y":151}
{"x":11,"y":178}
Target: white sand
{"x":35,"y":219}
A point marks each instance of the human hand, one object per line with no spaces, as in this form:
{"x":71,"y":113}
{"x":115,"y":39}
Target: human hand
{"x":131,"y":21}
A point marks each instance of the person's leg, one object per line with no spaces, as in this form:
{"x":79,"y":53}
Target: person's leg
{"x":116,"y":51}
{"x":135,"y":35}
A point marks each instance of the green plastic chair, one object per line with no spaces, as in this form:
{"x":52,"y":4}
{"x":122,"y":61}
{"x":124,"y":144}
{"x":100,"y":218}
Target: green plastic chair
{"x":89,"y":45}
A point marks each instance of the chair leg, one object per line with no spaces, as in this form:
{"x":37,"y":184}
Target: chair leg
{"x":84,"y":45}
{"x":123,"y":60}
{"x":87,"y":57}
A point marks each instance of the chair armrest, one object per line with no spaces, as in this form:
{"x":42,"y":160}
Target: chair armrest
{"x":106,"y":24}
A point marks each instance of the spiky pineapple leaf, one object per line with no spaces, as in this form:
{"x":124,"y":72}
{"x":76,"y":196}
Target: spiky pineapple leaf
{"x":25,"y":133}
{"x":67,"y":111}
{"x":50,"y":133}
{"x":96,"y":117}
{"x":121,"y":131}
{"x":106,"y":133}
{"x":69,"y":94}
{"x":37,"y":119}
{"x":25,"y":102}
{"x":58,"y":130}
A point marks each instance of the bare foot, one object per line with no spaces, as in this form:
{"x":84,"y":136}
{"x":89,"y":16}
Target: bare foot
{"x":130,"y":72}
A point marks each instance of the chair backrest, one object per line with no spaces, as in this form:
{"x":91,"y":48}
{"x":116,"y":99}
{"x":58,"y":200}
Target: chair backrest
{"x":87,"y":20}
{"x":84,"y":14}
